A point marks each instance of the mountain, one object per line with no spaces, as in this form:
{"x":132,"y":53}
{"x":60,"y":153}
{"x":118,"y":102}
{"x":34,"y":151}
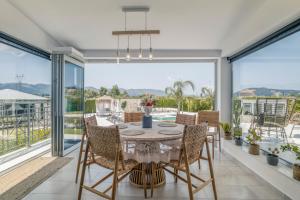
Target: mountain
{"x":266,"y":92}
{"x":139,"y":92}
{"x":135,"y":92}
{"x":36,"y":89}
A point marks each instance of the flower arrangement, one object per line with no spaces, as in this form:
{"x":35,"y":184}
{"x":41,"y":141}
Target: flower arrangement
{"x":147,"y":103}
{"x":253,"y":138}
{"x":296,"y":150}
{"x":148,"y":100}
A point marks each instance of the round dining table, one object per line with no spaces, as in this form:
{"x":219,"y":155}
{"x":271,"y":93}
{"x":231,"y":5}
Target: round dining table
{"x":150,"y":146}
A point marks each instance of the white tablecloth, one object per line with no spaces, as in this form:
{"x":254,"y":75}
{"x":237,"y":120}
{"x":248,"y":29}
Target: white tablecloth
{"x":151,"y":146}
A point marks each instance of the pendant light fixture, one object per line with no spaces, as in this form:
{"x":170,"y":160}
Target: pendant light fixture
{"x":150,"y":50}
{"x":127,"y":51}
{"x":118,"y":52}
{"x":141,"y":32}
{"x":140,"y":52}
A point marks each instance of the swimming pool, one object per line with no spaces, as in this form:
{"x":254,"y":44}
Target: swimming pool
{"x":164,"y":116}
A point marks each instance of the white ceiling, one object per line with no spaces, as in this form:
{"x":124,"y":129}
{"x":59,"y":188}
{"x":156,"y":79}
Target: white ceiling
{"x":184,"y":24}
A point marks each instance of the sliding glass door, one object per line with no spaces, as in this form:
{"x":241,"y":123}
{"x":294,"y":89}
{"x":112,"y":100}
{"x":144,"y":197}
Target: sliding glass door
{"x":73,"y":104}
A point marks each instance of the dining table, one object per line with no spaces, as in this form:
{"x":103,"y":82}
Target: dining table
{"x":150,"y":146}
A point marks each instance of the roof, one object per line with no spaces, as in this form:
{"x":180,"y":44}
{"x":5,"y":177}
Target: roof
{"x":105,"y":97}
{"x":9,"y":94}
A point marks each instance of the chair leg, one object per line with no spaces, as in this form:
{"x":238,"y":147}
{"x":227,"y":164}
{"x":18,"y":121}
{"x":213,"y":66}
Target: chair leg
{"x":175,"y":177}
{"x":115,"y":177}
{"x":188,"y":176}
{"x":292,"y":130}
{"x":213,"y":147}
{"x":219,"y":140}
{"x":144,"y":179}
{"x":79,"y":157}
{"x":199,"y":165}
{"x":211,"y":170}
{"x":153,"y":177}
{"x":83,"y":172}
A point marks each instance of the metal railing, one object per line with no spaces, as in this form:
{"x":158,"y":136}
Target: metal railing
{"x":21,"y":128}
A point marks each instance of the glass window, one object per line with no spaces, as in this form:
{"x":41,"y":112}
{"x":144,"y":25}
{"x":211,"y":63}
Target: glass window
{"x":73,"y":118}
{"x":25,"y":85}
{"x":270,"y":78}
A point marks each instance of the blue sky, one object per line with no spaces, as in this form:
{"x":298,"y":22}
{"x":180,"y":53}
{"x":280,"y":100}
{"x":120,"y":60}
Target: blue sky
{"x":15,"y":62}
{"x":276,"y":66}
{"x":149,"y":75}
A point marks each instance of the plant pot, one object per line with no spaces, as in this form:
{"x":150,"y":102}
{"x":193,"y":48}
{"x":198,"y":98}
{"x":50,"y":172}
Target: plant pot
{"x":238,"y":141}
{"x":272,"y":159}
{"x":254,"y":149}
{"x":296,"y":172}
{"x":227,"y":136}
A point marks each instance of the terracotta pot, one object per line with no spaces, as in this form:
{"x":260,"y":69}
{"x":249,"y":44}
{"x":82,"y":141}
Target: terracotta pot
{"x":227,"y":136}
{"x":254,"y":149}
{"x":296,"y":172}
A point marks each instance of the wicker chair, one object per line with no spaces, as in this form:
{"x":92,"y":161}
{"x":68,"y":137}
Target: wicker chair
{"x":87,"y":121}
{"x":185,"y":119}
{"x":295,"y":121}
{"x":273,"y":115}
{"x":212,"y":118}
{"x":194,"y":138}
{"x":133,"y":117}
{"x":105,"y":144}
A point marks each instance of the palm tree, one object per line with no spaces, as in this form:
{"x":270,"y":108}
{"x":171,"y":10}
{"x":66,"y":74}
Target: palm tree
{"x":177,"y":91}
{"x":209,"y":94}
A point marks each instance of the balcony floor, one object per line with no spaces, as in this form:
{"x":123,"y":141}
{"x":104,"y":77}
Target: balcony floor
{"x":234,"y":181}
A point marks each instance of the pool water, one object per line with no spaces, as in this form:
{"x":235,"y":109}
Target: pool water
{"x":164,"y":117}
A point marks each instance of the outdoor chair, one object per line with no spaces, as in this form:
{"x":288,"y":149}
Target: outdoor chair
{"x":185,"y":119}
{"x":193,"y":140}
{"x":105,"y":144}
{"x":212,"y":120}
{"x":133,"y":117}
{"x":295,"y":121}
{"x":273,"y":115}
{"x":87,"y":121}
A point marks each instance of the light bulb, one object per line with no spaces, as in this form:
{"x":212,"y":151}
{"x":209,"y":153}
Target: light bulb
{"x":128,"y":55}
{"x":150,"y":54}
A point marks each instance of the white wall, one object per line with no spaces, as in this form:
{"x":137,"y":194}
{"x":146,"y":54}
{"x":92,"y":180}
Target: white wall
{"x":14,"y":23}
{"x":270,"y":16}
{"x":224,"y":82}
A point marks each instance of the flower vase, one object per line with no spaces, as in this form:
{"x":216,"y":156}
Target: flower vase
{"x":147,"y":119}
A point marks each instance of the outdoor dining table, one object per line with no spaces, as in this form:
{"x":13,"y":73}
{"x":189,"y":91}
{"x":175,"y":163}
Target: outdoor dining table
{"x":150,"y":146}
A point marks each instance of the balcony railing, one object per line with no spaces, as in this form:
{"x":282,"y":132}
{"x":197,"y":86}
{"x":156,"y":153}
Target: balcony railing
{"x":23,"y":127}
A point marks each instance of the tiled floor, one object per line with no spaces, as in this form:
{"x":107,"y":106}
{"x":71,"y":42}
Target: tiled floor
{"x":233,"y":182}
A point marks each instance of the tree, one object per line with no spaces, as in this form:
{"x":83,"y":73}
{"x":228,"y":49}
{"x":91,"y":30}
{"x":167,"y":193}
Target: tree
{"x":115,"y":91}
{"x":177,"y":91}
{"x":209,"y":94}
{"x":90,"y":93}
{"x":103,"y":91}
{"x":123,"y":105}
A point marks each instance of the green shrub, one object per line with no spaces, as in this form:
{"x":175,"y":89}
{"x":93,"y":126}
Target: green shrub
{"x":90,"y":106}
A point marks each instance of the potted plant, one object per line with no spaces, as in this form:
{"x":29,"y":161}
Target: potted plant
{"x":238,"y":138}
{"x":227,"y":130}
{"x":296,"y":150}
{"x":272,"y":157}
{"x":237,"y":112}
{"x":253,"y":138}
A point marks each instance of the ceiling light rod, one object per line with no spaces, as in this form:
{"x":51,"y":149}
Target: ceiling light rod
{"x":135,"y":9}
{"x":136,"y":32}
